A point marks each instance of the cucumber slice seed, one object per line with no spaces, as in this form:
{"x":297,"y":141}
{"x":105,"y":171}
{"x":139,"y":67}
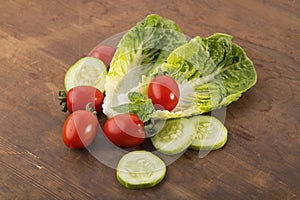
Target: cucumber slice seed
{"x":140,"y":169}
{"x":86,"y":71}
{"x":211,"y":134}
{"x":175,"y":136}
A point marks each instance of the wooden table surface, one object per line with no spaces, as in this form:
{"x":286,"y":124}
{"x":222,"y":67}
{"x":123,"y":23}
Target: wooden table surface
{"x":39,"y":40}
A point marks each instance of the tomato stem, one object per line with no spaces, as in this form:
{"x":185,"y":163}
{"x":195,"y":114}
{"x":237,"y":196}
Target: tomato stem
{"x":90,"y":109}
{"x":62,"y":97}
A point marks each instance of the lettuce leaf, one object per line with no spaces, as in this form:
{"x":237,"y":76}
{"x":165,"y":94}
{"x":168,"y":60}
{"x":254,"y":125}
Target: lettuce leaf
{"x":211,"y":72}
{"x":145,"y":46}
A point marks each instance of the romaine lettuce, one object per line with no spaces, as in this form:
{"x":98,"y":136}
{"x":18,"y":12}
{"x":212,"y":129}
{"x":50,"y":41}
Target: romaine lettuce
{"x":211,"y":72}
{"x":145,"y":46}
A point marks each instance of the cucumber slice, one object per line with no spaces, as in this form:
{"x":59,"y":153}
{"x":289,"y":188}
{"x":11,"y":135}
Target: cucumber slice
{"x":140,"y":169}
{"x":175,"y":136}
{"x":211,"y":134}
{"x":86,"y":71}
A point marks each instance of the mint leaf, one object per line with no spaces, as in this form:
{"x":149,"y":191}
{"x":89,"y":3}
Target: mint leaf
{"x":140,"y":105}
{"x":136,"y":97}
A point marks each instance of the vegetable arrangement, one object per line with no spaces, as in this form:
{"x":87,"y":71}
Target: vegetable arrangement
{"x":155,"y":85}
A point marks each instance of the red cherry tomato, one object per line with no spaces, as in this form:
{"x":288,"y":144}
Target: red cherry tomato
{"x":125,"y":130}
{"x":164,"y":93}
{"x":80,"y":129}
{"x":78,"y":97}
{"x":104,"y":53}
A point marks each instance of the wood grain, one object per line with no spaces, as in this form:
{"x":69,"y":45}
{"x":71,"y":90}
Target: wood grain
{"x":40,"y":39}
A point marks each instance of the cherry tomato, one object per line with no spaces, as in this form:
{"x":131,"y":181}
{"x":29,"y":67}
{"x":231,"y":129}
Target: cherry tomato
{"x":164,"y":93}
{"x":125,"y":130}
{"x":104,"y":53}
{"x":78,"y":97}
{"x":80,"y":129}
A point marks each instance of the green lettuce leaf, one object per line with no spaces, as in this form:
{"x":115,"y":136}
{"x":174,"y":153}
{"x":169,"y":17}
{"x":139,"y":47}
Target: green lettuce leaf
{"x":142,"y":48}
{"x":211,"y":72}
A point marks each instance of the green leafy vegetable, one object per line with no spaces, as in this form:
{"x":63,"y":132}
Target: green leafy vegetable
{"x":136,"y":97}
{"x":139,"y":105}
{"x":147,"y":44}
{"x":212,"y":72}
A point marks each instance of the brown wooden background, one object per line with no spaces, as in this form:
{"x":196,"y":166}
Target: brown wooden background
{"x":39,"y":40}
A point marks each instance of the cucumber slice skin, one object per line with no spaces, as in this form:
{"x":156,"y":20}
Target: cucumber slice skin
{"x":138,"y":186}
{"x":219,"y":141}
{"x":80,"y":73}
{"x":183,"y":136}
{"x":124,"y":177}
